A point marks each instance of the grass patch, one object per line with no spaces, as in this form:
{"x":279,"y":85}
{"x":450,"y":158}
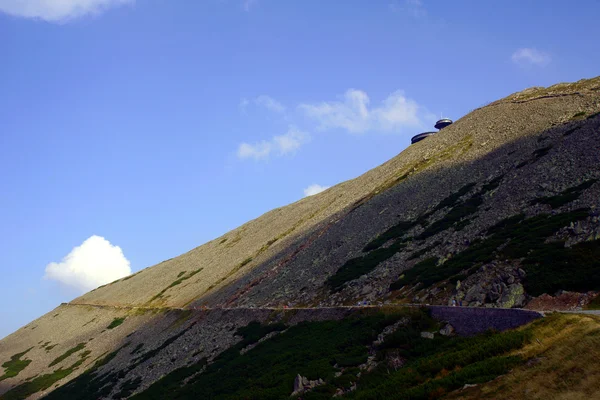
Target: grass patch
{"x":579,"y":115}
{"x":566,"y":196}
{"x":115,"y":322}
{"x":564,"y":363}
{"x":181,"y":278}
{"x":66,"y":354}
{"x":15,"y":365}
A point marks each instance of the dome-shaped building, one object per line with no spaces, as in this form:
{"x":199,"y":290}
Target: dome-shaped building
{"x":442,"y":123}
{"x":421,"y":136}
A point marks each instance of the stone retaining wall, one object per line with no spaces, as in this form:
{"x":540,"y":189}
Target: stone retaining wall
{"x":473,"y":320}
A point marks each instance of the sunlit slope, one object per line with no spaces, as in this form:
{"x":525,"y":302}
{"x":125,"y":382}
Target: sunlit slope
{"x":420,"y":176}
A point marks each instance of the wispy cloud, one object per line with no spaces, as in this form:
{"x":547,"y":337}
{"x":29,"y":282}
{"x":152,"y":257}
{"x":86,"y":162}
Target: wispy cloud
{"x":269,"y":103}
{"x":413,"y":8}
{"x":529,"y":56}
{"x":94,"y":263}
{"x":244,"y":105}
{"x":248,"y":4}
{"x":58,"y":10}
{"x":314,"y":189}
{"x":262,"y":101}
{"x":281,"y":145}
{"x":353,"y":113}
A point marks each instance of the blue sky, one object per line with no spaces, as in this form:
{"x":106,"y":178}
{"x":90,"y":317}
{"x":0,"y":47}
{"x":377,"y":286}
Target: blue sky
{"x":157,"y":125}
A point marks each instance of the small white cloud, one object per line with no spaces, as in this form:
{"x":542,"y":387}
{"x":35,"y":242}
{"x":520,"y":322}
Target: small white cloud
{"x":281,"y":145}
{"x":529,"y":56}
{"x":248,"y":4}
{"x":314,"y":189}
{"x":94,"y":263}
{"x":269,"y":103}
{"x":58,"y":10}
{"x":354,"y":114}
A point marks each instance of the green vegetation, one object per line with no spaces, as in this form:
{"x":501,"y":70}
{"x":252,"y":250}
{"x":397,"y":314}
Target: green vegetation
{"x":579,"y":115}
{"x":594,"y":115}
{"x":457,"y":214}
{"x":137,"y":348}
{"x":245,"y":262}
{"x":553,"y":267}
{"x":128,"y":387}
{"x":356,"y":267}
{"x":15,"y":365}
{"x":116,"y":322}
{"x":152,"y":353}
{"x":317,"y":350}
{"x":180,"y":278}
{"x":424,"y":251}
{"x":537,"y":154}
{"x":87,"y":385}
{"x":399,"y":230}
{"x":566,"y":196}
{"x":456,"y":218}
{"x":91,"y":384}
{"x":571,"y":131}
{"x":66,"y":354}
{"x":520,"y":238}
{"x":39,"y":383}
{"x":223,"y":240}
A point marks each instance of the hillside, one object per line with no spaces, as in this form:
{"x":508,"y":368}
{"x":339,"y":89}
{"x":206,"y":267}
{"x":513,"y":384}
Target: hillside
{"x":500,"y":210}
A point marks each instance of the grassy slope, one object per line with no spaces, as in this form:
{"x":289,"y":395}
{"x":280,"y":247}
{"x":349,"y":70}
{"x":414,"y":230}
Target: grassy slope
{"x":564,"y":353}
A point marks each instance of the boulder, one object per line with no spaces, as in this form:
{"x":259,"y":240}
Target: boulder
{"x":427,"y":335}
{"x":447,"y":330}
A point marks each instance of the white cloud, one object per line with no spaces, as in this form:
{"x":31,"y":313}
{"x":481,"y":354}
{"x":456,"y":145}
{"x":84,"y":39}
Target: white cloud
{"x":58,"y":10}
{"x":529,"y":56}
{"x":94,"y":263}
{"x":314,"y":189}
{"x":269,"y":103}
{"x":280,"y":145}
{"x":354,"y":115}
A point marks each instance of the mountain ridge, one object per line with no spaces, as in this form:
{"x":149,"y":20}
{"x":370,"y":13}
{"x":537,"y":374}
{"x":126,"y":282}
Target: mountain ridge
{"x":470,"y":214}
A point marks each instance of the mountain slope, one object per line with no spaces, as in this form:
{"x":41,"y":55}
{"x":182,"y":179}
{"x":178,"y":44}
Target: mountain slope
{"x":496,"y":210}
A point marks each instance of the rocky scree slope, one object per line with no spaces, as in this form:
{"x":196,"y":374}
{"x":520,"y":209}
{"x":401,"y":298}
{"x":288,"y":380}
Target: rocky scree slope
{"x":497,"y":209}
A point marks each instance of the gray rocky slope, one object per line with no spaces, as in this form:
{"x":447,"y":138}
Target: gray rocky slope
{"x":533,"y":153}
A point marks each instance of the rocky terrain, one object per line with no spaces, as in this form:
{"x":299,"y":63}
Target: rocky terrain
{"x":498,"y":210}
